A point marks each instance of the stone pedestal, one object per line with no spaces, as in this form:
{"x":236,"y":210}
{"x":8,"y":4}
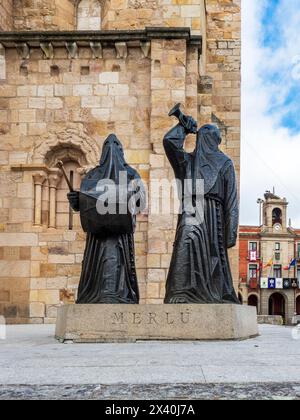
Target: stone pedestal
{"x":130,"y":323}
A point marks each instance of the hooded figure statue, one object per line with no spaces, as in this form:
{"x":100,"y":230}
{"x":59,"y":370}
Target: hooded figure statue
{"x":108,"y":270}
{"x":200,"y":270}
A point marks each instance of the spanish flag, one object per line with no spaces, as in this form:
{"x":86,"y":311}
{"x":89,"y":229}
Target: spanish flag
{"x":270,"y":263}
{"x":293,"y":263}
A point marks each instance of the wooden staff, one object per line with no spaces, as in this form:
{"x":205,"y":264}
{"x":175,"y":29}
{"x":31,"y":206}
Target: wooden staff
{"x":61,"y":166}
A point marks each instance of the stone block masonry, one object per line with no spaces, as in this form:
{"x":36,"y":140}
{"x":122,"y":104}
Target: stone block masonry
{"x":6,"y":15}
{"x":61,"y":96}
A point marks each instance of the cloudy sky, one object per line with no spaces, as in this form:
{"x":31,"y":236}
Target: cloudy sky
{"x":271,"y":104}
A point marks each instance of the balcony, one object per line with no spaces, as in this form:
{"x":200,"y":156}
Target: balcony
{"x":253,"y":256}
{"x":253,"y":283}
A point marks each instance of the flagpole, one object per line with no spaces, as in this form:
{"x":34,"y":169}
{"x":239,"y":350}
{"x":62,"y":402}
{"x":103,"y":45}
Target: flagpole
{"x":270,"y":271}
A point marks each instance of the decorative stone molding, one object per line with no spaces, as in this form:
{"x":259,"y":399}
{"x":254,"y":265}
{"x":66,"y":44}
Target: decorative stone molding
{"x":48,"y":50}
{"x":72,"y":49}
{"x":146,"y":48}
{"x":59,"y":38}
{"x":23,"y":50}
{"x":28,"y":167}
{"x":97,"y":49}
{"x":96,"y":40}
{"x":70,"y":140}
{"x":122,"y":50}
{"x":64,"y":154}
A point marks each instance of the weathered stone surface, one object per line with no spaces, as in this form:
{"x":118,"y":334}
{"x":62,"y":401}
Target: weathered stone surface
{"x":6,"y":15}
{"x":127,"y":323}
{"x":65,"y":110}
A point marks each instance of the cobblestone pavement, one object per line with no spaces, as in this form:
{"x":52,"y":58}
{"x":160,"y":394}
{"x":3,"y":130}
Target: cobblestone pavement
{"x":154,"y":392}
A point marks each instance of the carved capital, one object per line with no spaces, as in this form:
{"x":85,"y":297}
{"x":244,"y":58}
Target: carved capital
{"x":97,"y":50}
{"x":48,"y":50}
{"x":54,"y":178}
{"x":39,"y":178}
{"x":146,"y":48}
{"x":122,"y":50}
{"x":23,"y":50}
{"x":72,"y":49}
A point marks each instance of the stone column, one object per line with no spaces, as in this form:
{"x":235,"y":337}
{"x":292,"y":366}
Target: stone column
{"x":54,"y":180}
{"x":45,"y":203}
{"x":38,"y":179}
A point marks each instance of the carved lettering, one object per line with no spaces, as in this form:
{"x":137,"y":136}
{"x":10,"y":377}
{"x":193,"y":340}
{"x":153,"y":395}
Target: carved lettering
{"x":137,"y":319}
{"x":152,"y":319}
{"x":185,"y":317}
{"x":118,"y":319}
{"x":169,"y":320}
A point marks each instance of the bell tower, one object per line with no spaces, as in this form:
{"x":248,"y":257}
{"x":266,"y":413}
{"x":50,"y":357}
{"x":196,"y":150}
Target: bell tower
{"x":275,"y":213}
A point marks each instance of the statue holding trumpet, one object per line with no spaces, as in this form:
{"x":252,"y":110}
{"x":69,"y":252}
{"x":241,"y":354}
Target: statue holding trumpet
{"x":200,"y":270}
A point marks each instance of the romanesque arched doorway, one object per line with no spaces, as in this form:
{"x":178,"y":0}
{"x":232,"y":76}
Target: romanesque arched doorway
{"x":253,"y":301}
{"x":277,"y":305}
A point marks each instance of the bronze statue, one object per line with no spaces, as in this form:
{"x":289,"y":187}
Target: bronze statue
{"x":200,"y":270}
{"x":108,"y":271}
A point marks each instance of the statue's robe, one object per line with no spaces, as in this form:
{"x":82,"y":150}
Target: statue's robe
{"x":108,"y":269}
{"x":200,"y":270}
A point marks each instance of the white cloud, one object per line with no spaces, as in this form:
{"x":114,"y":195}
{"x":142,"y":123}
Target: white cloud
{"x":270,"y":153}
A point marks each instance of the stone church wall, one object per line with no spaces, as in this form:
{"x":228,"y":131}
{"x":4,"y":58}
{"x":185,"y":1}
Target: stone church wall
{"x":62,"y":100}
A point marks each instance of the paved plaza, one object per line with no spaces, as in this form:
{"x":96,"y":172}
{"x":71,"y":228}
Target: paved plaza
{"x":34,"y":365}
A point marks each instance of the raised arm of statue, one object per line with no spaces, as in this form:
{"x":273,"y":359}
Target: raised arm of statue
{"x":174,"y":148}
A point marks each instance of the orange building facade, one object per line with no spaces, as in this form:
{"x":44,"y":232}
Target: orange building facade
{"x":269,"y":262}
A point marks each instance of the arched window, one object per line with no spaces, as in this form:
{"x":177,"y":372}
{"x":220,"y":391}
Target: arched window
{"x":89,"y":15}
{"x":65,"y":216}
{"x":60,"y":215}
{"x":277,"y":216}
{"x":253,"y":301}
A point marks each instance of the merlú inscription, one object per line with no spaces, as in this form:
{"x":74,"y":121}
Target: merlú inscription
{"x":129,"y":323}
{"x":152,"y":318}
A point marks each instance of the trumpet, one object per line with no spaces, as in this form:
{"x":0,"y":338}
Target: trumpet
{"x":182,"y":118}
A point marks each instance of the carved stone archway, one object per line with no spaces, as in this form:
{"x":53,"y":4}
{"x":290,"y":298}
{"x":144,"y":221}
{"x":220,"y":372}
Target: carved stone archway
{"x":74,"y":141}
{"x":71,"y":144}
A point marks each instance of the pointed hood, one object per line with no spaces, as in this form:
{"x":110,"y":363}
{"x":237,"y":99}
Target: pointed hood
{"x":208,"y":158}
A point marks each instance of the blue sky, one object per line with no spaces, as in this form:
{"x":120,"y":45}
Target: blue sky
{"x":270,"y":104}
{"x":273,"y":39}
